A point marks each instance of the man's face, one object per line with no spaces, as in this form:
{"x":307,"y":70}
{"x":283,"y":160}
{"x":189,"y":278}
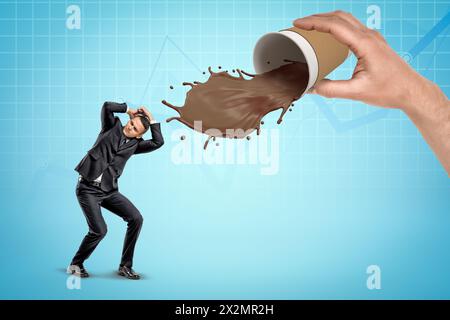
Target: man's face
{"x":134,"y":128}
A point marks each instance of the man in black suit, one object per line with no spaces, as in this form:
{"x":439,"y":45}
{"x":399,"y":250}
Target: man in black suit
{"x":97,"y":184}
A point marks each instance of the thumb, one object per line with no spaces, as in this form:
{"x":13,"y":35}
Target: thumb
{"x":335,"y":88}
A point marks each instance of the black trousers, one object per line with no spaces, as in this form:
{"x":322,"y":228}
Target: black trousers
{"x":91,"y":199}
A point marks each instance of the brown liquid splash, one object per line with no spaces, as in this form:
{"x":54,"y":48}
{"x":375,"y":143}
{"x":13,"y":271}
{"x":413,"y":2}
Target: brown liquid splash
{"x":225,"y":102}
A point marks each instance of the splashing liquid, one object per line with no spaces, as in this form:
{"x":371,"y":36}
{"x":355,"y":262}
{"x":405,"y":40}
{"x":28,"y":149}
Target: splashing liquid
{"x":235,"y":104}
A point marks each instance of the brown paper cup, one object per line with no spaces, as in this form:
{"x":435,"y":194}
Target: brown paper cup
{"x":320,"y":51}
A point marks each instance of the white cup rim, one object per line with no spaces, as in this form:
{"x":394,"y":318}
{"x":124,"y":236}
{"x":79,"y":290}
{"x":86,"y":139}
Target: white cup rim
{"x":303,"y":45}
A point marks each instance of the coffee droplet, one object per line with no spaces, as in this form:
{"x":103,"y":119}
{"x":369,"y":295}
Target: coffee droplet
{"x":248,"y":137}
{"x":292,"y":105}
{"x":262,"y":122}
{"x":171,"y":87}
{"x":204,"y":72}
{"x":290,"y":109}
{"x":220,"y":67}
{"x":183,"y":137}
{"x":233,"y":71}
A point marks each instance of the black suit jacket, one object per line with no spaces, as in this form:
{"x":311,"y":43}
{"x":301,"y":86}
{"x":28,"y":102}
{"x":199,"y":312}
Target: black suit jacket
{"x":106,"y":156}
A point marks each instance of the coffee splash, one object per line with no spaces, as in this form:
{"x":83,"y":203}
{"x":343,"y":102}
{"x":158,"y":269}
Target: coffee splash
{"x":234,"y":106}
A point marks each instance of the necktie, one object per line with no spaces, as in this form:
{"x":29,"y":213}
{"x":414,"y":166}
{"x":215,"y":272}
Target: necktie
{"x":123,"y":141}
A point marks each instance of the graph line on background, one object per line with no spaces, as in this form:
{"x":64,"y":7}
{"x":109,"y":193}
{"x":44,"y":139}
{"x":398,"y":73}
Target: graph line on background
{"x":212,"y":176}
{"x":155,"y":112}
{"x":342,"y":126}
{"x":149,"y":81}
{"x":430,"y":36}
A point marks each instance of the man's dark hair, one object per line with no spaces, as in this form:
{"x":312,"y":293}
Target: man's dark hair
{"x":145,"y":121}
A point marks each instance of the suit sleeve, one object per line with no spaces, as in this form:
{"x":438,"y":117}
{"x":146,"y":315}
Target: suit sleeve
{"x":150,"y":145}
{"x":107,"y":114}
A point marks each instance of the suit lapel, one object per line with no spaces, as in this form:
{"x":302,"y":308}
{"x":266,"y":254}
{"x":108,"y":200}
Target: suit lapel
{"x":120,"y":135}
{"x":128,"y":144}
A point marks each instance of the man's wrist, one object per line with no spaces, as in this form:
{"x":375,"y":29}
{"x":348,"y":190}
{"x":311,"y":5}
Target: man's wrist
{"x":150,"y":118}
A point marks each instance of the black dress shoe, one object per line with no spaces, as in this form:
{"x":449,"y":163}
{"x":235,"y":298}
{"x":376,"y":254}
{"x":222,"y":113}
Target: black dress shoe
{"x":128,"y":273}
{"x":77,"y":270}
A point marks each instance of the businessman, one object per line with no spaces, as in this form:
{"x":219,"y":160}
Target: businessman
{"x":97,"y":186}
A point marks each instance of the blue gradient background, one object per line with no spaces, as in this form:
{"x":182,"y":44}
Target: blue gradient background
{"x":371,"y":192}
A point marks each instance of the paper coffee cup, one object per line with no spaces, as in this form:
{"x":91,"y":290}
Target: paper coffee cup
{"x":320,"y":51}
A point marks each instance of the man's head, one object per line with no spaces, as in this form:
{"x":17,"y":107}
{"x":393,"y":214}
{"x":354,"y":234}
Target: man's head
{"x":136,"y":126}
